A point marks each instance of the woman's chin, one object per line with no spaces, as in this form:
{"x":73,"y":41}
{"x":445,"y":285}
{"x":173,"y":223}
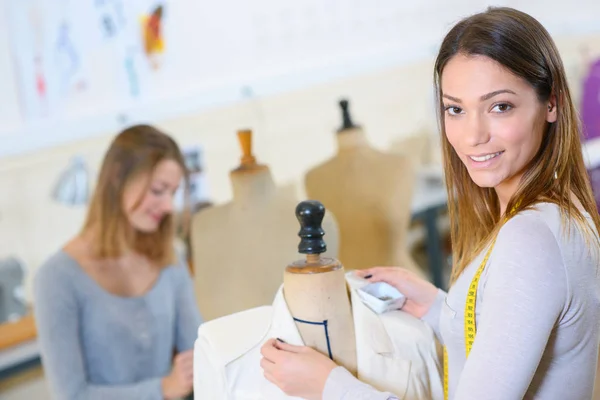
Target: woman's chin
{"x":147,"y":227}
{"x":484,"y":180}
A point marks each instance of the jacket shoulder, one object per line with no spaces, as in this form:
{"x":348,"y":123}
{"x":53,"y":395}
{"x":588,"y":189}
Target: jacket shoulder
{"x":232,"y":336}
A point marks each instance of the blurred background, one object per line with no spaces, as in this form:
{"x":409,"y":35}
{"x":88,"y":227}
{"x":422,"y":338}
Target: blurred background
{"x":74,"y":73}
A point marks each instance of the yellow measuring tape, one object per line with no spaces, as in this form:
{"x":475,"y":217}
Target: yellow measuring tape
{"x":470,"y":328}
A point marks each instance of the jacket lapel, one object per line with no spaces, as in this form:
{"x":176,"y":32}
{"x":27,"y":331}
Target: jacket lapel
{"x":378,"y":363}
{"x":283,"y":327}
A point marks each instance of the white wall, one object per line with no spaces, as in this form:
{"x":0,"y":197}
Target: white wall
{"x":214,"y":52}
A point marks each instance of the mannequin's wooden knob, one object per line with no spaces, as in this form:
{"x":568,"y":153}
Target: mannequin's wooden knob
{"x":310,"y":214}
{"x":245,"y":140}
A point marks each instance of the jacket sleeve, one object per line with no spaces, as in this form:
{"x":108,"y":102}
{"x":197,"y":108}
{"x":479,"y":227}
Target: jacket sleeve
{"x":208,"y":378}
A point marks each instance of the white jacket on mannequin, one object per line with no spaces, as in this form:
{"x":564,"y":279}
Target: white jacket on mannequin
{"x":396,"y":353}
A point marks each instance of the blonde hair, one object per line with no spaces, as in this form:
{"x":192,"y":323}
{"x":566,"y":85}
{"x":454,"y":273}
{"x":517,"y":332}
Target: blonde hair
{"x":134,"y":152}
{"x":521,"y":44}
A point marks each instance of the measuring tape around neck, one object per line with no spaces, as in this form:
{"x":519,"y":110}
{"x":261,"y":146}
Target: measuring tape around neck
{"x":470,"y":330}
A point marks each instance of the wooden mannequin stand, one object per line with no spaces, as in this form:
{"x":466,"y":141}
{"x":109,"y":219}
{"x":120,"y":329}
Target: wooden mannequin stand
{"x":316,"y":293}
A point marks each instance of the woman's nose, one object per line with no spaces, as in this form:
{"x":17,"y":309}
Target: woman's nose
{"x":167,"y":205}
{"x":477,"y":130}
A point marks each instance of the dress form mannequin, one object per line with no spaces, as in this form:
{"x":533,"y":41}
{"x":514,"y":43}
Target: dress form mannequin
{"x":232,"y":270}
{"x":370,"y":194}
{"x":316,"y":293}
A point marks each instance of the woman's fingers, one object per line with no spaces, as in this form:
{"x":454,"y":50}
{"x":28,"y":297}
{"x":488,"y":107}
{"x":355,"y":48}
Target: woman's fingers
{"x":267,"y":365}
{"x":380,"y":274}
{"x":373,"y":274}
{"x":270,"y":351}
{"x":362,"y":273}
{"x":288,"y":347}
{"x":189,"y":376}
{"x":184,"y":357}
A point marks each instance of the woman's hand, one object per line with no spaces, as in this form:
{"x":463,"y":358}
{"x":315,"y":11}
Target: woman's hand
{"x":297,"y":370}
{"x":420,"y":294}
{"x":180,"y":381}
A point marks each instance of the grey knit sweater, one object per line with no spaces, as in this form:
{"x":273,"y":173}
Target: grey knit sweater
{"x":537,"y":317}
{"x":96,"y":345}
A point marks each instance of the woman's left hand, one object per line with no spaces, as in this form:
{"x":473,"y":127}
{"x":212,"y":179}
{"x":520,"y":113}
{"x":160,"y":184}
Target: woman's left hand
{"x":297,"y":370}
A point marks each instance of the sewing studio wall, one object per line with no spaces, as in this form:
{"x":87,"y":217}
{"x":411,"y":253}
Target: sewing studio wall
{"x":70,"y":69}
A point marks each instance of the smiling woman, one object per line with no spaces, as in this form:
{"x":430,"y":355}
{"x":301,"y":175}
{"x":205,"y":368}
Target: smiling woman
{"x":115,"y":303}
{"x":498,"y":133}
{"x":524,"y":302}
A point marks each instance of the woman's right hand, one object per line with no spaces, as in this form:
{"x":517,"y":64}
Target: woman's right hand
{"x":420,"y":294}
{"x":180,"y":382}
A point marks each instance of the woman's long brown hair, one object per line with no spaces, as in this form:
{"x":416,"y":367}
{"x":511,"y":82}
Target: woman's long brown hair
{"x":135,"y":152}
{"x":557,"y":172}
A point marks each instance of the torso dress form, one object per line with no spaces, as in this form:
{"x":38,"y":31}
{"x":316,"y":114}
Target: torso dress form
{"x":370,"y":193}
{"x":238,"y":247}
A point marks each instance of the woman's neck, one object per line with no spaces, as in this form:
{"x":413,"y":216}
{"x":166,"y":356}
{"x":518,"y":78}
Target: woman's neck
{"x":85,"y":242}
{"x":506,"y":190}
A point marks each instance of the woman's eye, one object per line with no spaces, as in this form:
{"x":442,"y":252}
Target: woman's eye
{"x":156,"y":192}
{"x":453,"y":110}
{"x":502,"y":107}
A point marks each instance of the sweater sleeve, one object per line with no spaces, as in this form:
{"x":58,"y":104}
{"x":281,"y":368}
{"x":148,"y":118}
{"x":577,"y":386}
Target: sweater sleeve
{"x":432,"y":317}
{"x":188,"y":317}
{"x":57,"y":320}
{"x":342,"y":385}
{"x":524,"y":296}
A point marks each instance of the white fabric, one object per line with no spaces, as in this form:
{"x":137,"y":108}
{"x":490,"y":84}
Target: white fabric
{"x":396,"y":352}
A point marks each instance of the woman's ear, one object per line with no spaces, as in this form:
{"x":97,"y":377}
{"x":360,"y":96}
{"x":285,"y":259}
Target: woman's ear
{"x":551,"y":110}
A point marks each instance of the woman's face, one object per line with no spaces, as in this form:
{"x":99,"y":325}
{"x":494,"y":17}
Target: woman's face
{"x":493,"y":119}
{"x":156,"y":191}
